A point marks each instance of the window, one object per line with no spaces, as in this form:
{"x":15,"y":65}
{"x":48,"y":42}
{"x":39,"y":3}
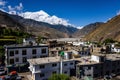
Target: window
{"x":17,"y":60}
{"x":41,"y":66}
{"x":43,"y":50}
{"x":54,"y":72}
{"x":89,"y":75}
{"x":65,"y":64}
{"x":89,"y":67}
{"x":80,"y":68}
{"x":11,"y":61}
{"x":118,"y":62}
{"x":54,"y":65}
{"x":24,"y":59}
{"x":45,"y":79}
{"x":101,"y":73}
{"x":42,"y":75}
{"x":34,"y":56}
{"x":11,"y":53}
{"x":96,"y":67}
{"x":16,"y":52}
{"x":107,"y":72}
{"x":118,"y":70}
{"x":43,"y":56}
{"x":23,"y":52}
{"x":101,"y":67}
{"x":113,"y":71}
{"x":71,"y":63}
{"x":95,"y":75}
{"x":34,"y":51}
{"x":65,"y":72}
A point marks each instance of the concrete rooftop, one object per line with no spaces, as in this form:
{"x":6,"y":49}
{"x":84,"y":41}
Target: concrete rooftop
{"x":46,"y":60}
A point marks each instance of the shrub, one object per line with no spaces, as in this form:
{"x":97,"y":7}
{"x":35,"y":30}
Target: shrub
{"x":59,"y":77}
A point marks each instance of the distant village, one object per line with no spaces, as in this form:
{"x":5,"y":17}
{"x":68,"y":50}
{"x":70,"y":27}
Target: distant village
{"x":74,"y":57}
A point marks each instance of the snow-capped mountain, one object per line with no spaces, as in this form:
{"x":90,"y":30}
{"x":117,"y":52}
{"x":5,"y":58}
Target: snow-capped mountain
{"x":42,"y":16}
{"x":80,"y":27}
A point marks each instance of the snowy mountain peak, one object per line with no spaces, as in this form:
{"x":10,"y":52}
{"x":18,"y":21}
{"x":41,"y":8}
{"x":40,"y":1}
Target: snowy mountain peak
{"x":44,"y":17}
{"x":41,"y":13}
{"x":80,"y":27}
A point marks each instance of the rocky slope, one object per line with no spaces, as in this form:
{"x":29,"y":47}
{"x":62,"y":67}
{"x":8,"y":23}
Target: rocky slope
{"x":87,"y":29}
{"x":6,"y":21}
{"x":111,"y":29}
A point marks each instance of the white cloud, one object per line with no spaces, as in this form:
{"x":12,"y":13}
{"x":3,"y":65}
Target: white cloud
{"x":118,"y":13}
{"x":16,"y":9}
{"x":2,"y":3}
{"x":19,"y":7}
{"x":10,"y":8}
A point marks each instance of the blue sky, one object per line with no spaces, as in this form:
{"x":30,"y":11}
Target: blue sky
{"x":78,"y":12}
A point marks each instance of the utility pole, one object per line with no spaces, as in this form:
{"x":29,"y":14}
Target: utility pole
{"x":61,"y":61}
{"x":60,"y":64}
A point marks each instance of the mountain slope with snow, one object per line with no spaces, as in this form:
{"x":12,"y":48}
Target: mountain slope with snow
{"x":33,"y":27}
{"x":42,"y":16}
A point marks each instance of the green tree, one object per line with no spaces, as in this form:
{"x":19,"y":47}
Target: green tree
{"x":108,"y":41}
{"x":1,"y":51}
{"x":19,"y":40}
{"x":39,"y":40}
{"x":59,"y":77}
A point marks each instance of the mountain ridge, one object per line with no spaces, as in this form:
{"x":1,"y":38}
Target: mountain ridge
{"x":7,"y":21}
{"x":87,"y":29}
{"x":30,"y":22}
{"x":10,"y":22}
{"x":110,"y":29}
{"x":42,"y":16}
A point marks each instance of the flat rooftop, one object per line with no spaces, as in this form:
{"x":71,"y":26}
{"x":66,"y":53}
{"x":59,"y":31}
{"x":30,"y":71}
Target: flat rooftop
{"x":108,"y":56}
{"x":24,"y":46}
{"x":98,"y":54}
{"x":87,"y":61}
{"x":81,"y":61}
{"x":46,"y":60}
{"x":66,"y":39}
{"x":113,"y":57}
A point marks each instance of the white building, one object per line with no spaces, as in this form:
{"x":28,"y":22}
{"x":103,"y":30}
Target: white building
{"x":115,"y":49}
{"x":16,"y":54}
{"x":97,"y":58}
{"x":78,"y":43}
{"x":99,"y":66}
{"x":28,"y":41}
{"x":43,"y":68}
